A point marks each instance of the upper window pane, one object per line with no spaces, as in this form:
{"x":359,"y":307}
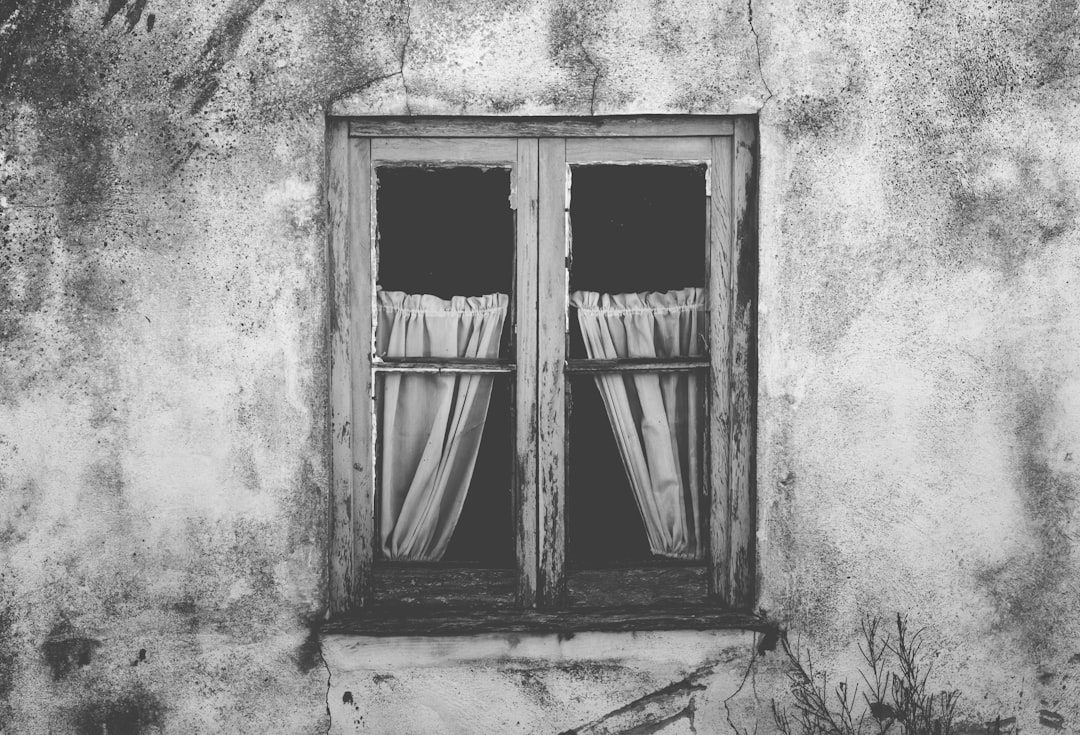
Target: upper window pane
{"x":637,"y":227}
{"x":445,"y":232}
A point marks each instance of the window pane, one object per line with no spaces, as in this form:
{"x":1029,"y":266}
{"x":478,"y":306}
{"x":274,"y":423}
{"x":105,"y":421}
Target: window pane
{"x":603,"y":525}
{"x":635,"y":467}
{"x":636,"y":228}
{"x":443,"y":471}
{"x":445,"y":232}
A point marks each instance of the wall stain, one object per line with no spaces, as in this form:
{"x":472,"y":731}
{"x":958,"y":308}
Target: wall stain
{"x":1012,"y":222}
{"x":65,"y":652}
{"x":568,"y":34}
{"x":26,"y":28}
{"x":1051,"y":27}
{"x":308,"y":654}
{"x":131,"y":17}
{"x":532,"y":683}
{"x":1051,"y":719}
{"x":812,"y":116}
{"x":203,"y":78}
{"x":1031,"y":591}
{"x":7,"y":650}
{"x":129,"y":713}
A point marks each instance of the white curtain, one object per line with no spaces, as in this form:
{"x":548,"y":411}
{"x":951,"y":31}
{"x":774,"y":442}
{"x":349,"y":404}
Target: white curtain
{"x":431,"y":424}
{"x":656,"y":417}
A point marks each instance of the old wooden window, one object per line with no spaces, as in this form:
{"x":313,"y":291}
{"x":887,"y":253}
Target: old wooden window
{"x":554,"y":238}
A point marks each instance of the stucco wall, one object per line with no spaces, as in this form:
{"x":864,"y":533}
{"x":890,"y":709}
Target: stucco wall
{"x":163,"y":458}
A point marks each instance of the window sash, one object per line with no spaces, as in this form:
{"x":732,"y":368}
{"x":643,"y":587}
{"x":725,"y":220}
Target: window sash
{"x":539,"y":193}
{"x":556,"y":157}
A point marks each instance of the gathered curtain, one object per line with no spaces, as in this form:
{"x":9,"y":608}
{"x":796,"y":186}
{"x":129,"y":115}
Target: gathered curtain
{"x":655,"y":417}
{"x":431,"y":423}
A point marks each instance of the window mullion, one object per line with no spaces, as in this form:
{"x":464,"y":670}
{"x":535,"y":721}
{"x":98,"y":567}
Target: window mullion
{"x":526,"y":502}
{"x":551,"y":348}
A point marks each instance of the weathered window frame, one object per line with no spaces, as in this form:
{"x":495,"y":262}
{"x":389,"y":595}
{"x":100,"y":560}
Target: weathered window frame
{"x":539,"y":151}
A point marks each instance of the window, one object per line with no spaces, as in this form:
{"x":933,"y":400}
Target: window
{"x":542,"y":342}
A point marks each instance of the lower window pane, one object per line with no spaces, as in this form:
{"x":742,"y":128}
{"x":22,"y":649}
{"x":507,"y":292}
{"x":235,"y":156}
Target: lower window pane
{"x":443,"y":472}
{"x":635,"y":466}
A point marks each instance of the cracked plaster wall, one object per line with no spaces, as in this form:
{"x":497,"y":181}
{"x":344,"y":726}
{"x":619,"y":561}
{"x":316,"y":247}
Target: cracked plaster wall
{"x":163,"y":464}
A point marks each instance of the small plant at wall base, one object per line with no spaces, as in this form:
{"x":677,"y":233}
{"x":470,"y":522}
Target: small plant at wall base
{"x":893,"y":696}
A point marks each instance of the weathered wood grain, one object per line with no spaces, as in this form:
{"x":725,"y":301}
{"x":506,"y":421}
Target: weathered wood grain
{"x":526,"y":495}
{"x":342,"y":533}
{"x":510,"y":127}
{"x":399,"y":621}
{"x":351,"y":515}
{"x":442,"y":365}
{"x":636,"y":586}
{"x":551,"y":350}
{"x":360,"y":347}
{"x":634,"y":365}
{"x":447,"y":150}
{"x":720,"y":285}
{"x":411,"y":586}
{"x":744,"y":363}
{"x":634,"y":150}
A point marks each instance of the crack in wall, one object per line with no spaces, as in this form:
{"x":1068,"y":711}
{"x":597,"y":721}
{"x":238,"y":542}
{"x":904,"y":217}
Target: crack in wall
{"x":757,"y":50}
{"x":596,"y":78}
{"x":404,"y":53}
{"x":398,"y":72}
{"x":568,"y":48}
{"x":329,"y":681}
{"x":652,"y":712}
{"x":767,"y":643}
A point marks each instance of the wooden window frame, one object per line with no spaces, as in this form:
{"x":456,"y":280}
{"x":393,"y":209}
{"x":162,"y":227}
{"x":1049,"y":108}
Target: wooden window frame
{"x":535,"y":595}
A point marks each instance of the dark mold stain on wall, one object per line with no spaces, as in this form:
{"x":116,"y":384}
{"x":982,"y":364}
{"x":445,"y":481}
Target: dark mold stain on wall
{"x":308,"y":654}
{"x":1035,"y":592}
{"x":568,"y":36}
{"x":134,"y":10}
{"x":26,"y":26}
{"x":1051,"y":40}
{"x":7,"y":651}
{"x":341,"y":67}
{"x":202,"y":79}
{"x":813,"y":116}
{"x":65,"y":651}
{"x":132,"y":712}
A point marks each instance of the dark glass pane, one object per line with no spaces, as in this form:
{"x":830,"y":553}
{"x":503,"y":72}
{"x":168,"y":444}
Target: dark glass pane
{"x":603,"y":524}
{"x":446,"y":232}
{"x":484,"y":533}
{"x":635,"y":228}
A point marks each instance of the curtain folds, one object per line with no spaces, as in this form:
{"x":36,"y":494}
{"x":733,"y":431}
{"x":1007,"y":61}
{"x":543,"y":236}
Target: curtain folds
{"x":431,"y":424}
{"x":656,"y":417}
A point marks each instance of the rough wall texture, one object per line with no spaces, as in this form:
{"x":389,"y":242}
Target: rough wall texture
{"x":163,"y":463}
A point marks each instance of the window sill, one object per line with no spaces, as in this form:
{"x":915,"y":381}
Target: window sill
{"x":398,"y":621}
